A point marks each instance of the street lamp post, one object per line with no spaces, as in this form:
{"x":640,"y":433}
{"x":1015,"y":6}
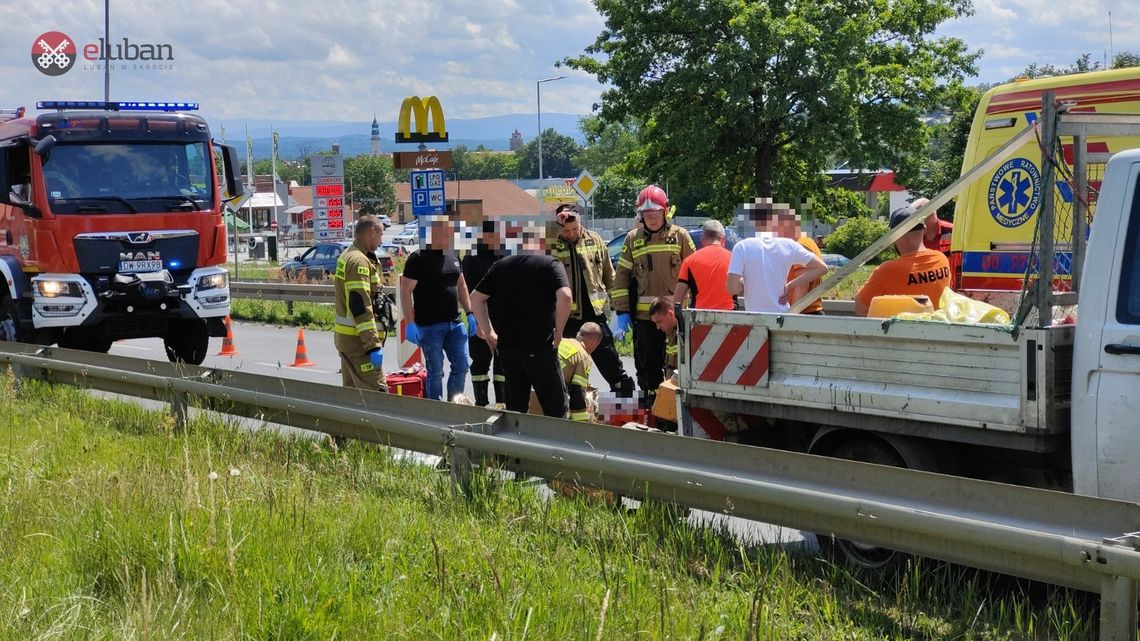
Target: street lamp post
{"x":541,"y":177}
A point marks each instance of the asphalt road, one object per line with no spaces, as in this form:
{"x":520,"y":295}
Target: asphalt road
{"x":269,"y":350}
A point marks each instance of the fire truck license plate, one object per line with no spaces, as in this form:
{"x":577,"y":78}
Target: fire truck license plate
{"x":140,"y":265}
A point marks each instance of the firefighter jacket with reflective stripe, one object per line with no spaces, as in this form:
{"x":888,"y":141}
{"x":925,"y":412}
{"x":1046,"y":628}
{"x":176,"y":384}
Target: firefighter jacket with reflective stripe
{"x":588,"y":261}
{"x":651,"y":261}
{"x":355,"y":283}
{"x":575,"y":363}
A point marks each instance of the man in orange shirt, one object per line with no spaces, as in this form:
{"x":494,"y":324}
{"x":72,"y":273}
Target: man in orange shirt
{"x":703,"y":272}
{"x":917,"y":271}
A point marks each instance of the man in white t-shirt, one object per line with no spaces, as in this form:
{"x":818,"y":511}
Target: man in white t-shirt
{"x":758,"y":269}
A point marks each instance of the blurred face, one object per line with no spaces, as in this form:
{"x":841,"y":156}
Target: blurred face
{"x":653,"y":218}
{"x":665,"y":321}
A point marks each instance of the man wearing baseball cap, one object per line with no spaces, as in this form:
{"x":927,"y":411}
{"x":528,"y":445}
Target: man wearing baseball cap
{"x":647,"y":268}
{"x":918,"y":271}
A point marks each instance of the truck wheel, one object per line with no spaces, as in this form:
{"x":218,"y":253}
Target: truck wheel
{"x":862,"y":555}
{"x":187,"y":342}
{"x":9,"y":321}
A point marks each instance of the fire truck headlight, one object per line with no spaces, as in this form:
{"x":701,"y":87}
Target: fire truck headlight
{"x":213,"y":281}
{"x":58,"y":288}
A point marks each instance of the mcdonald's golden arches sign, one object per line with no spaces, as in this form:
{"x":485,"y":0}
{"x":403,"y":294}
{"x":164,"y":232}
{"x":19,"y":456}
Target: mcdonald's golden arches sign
{"x":421,"y":113}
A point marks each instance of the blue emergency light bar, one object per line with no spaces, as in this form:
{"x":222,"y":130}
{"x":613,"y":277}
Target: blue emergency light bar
{"x":117,"y":106}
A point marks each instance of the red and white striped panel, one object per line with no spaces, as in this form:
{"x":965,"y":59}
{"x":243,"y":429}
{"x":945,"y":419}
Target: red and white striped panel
{"x":408,"y":352}
{"x":730,"y":354}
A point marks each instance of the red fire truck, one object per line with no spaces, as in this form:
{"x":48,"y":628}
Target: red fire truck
{"x":111,"y":226}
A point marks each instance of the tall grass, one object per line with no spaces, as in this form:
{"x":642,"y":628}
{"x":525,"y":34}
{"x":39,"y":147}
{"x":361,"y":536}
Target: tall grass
{"x":115,"y":526}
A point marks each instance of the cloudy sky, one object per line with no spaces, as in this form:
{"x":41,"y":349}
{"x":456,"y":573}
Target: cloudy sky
{"x":348,"y":59}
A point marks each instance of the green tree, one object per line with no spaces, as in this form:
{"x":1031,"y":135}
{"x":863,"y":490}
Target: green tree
{"x":287,"y":170}
{"x":1125,"y":59}
{"x":856,"y":235}
{"x":753,"y":97}
{"x":370,"y":183}
{"x":835,"y":203}
{"x":558,"y":153}
{"x":616,"y":196}
{"x":943,"y":163}
{"x":610,"y":146}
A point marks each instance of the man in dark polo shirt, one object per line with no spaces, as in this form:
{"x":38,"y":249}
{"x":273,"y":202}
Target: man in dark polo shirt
{"x":522,"y":305}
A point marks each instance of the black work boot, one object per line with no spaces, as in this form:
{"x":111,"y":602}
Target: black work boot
{"x":481,"y":399}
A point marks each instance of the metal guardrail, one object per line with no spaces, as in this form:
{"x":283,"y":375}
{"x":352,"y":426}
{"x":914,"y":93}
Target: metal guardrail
{"x":1076,"y":541}
{"x":321,"y":293}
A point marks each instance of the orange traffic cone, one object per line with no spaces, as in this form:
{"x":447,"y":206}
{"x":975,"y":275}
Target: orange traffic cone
{"x":302,"y":358}
{"x":228,"y":348}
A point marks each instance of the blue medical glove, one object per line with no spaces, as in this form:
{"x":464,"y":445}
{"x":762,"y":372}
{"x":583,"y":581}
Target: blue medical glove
{"x":623,"y":323}
{"x":412,"y":332}
{"x":377,"y":358}
{"x":472,"y":326}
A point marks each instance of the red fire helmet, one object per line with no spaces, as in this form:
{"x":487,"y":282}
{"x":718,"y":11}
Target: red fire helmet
{"x":652,"y":197}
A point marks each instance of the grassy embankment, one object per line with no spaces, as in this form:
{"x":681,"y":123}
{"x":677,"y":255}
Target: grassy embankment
{"x":113,"y":526}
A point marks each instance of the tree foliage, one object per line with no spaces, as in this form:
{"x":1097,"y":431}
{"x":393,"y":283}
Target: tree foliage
{"x":747,"y":98}
{"x":835,"y":203}
{"x":369,"y":181}
{"x":611,"y":147}
{"x":1125,"y":59}
{"x":943,"y":163}
{"x":484,"y":164}
{"x":558,"y":152}
{"x":856,"y":235}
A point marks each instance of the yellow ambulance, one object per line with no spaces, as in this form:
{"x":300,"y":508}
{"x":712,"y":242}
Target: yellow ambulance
{"x":994,"y":218}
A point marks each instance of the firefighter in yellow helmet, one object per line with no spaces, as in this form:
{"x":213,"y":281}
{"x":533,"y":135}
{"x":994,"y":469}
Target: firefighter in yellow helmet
{"x":356,"y":282}
{"x":647,"y":268}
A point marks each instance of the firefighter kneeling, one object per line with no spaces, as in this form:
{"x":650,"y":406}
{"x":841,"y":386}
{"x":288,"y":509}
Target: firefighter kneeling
{"x":356,"y":283}
{"x":574,"y":360}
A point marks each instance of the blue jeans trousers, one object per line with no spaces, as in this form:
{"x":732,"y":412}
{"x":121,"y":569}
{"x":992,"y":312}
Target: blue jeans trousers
{"x":436,"y":340}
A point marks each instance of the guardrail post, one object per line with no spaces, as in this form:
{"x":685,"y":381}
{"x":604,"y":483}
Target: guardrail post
{"x":289,"y":307}
{"x":1118,"y":614}
{"x":179,"y":410}
{"x":459,"y":462}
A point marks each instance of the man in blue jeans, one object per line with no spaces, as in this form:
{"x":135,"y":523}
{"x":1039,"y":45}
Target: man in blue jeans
{"x":431,"y":292}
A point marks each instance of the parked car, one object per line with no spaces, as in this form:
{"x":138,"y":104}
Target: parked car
{"x":319,"y":261}
{"x":730,"y":239}
{"x":396,"y":250}
{"x":835,"y":260}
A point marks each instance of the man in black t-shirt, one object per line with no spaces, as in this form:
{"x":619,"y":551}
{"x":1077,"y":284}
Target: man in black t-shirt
{"x":522,"y":305}
{"x":475,"y":264}
{"x":432,"y":289}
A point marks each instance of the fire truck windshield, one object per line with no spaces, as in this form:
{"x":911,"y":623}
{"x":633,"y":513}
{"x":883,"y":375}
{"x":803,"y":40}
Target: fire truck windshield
{"x":93,"y":178}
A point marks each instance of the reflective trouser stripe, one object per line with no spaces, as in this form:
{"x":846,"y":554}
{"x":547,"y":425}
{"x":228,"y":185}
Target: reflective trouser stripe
{"x":580,"y":416}
{"x":475,"y":378}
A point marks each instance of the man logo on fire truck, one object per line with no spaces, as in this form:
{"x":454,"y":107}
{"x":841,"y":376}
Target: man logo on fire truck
{"x":54,"y":53}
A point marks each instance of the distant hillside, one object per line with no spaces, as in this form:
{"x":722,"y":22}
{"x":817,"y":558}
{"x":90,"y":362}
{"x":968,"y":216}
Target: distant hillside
{"x":355,"y":137}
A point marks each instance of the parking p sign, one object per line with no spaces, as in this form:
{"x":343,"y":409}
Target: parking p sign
{"x":427,"y":192}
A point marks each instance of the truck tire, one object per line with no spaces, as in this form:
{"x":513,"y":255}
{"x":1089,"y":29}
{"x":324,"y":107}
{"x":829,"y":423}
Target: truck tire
{"x":862,"y":555}
{"x":187,"y":342}
{"x":9,"y":321}
{"x":12,"y":331}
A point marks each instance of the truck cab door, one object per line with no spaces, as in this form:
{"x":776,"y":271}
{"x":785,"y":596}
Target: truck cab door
{"x":1113,"y":384}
